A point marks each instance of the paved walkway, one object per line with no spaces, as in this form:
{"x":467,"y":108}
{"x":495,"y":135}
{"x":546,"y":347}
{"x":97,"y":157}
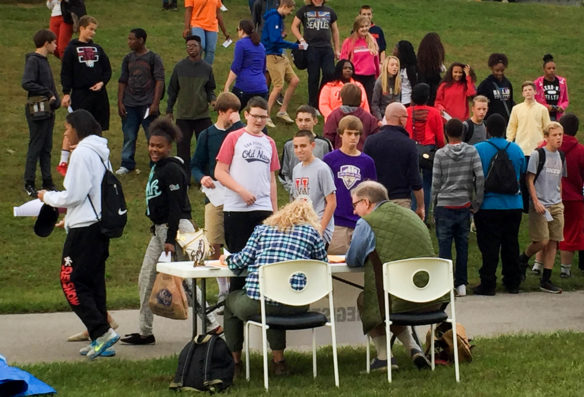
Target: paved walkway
{"x":32,"y":338}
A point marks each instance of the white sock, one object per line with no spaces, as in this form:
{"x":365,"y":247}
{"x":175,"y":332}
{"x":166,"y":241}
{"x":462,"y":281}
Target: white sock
{"x":223,"y":283}
{"x":381,"y":347}
{"x":64,"y":156}
{"x":406,"y":338}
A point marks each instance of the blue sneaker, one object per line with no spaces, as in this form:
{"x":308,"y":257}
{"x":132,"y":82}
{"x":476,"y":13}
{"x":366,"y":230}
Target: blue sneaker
{"x":102,"y":343}
{"x":106,"y":353}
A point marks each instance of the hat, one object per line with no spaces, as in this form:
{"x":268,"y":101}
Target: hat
{"x":46,"y":220}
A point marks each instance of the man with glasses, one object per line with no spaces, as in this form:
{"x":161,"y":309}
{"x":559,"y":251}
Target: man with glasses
{"x":396,"y":159}
{"x":246,"y":165}
{"x":191,"y":87}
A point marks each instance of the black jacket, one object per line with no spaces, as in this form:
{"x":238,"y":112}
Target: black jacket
{"x":38,"y":78}
{"x":166,"y":195}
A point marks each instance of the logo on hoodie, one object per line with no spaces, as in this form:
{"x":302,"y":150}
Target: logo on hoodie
{"x":87,"y":55}
{"x":350,"y":175}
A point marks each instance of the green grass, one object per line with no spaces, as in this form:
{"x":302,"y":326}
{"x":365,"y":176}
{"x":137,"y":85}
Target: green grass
{"x":470,"y":31}
{"x":504,"y":366}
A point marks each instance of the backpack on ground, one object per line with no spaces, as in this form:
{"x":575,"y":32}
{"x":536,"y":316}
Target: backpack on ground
{"x":114,"y":213}
{"x":444,"y":344}
{"x":204,"y":364}
{"x":501,"y":177}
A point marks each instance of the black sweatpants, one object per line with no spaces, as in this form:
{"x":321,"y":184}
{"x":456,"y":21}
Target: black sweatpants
{"x":40,"y":144}
{"x":95,"y":102}
{"x":187,"y":127}
{"x":83,"y":276}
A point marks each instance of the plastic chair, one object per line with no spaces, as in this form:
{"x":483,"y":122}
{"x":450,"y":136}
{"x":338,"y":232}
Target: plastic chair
{"x":398,"y":281}
{"x":275,"y":284}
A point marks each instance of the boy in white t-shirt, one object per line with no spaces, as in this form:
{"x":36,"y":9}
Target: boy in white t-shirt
{"x":313,"y":178}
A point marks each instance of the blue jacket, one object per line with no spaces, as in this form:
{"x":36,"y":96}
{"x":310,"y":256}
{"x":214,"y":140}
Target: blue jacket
{"x":272,"y":34}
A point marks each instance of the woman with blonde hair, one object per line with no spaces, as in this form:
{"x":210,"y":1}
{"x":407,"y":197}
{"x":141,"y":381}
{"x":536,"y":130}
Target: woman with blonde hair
{"x":291,"y":233}
{"x":361,"y":48}
{"x":387,"y":87}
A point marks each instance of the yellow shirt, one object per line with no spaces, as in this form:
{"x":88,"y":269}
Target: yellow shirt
{"x":526,"y":125}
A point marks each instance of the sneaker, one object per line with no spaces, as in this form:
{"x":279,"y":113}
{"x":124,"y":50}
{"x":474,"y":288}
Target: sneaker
{"x":482,"y":290}
{"x":547,"y":286}
{"x":122,"y":171}
{"x":566,"y":271}
{"x":378,"y":365}
{"x":102,"y":343}
{"x":536,"y":269}
{"x":106,"y":353}
{"x":285,"y":117}
{"x":512,"y":289}
{"x":280,"y":100}
{"x":280,"y":368}
{"x":461,"y":290}
{"x":30,"y":190}
{"x":523,"y":265}
{"x":420,"y":359}
{"x":49,"y":187}
{"x":270,"y":123}
{"x":137,"y":339}
{"x":62,"y":168}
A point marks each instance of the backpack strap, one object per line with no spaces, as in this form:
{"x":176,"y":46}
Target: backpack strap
{"x":469,"y":130}
{"x":504,"y":102}
{"x":540,"y":163}
{"x":208,"y":357}
{"x":89,"y":198}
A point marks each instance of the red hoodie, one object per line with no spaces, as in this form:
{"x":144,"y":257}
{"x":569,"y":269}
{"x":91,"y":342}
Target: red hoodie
{"x":572,"y":184}
{"x":454,"y":98}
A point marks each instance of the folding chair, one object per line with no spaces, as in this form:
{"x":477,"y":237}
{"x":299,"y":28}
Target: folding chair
{"x":279,"y":282}
{"x":398,"y":281}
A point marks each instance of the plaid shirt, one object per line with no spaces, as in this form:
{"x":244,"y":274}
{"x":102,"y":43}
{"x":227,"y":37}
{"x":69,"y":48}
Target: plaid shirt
{"x":267,"y":245}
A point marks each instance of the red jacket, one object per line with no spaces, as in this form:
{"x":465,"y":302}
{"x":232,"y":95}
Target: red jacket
{"x":454,"y":98}
{"x":429,"y":129}
{"x":572,"y":184}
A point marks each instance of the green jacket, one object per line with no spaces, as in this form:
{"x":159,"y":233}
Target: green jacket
{"x":399,"y":234}
{"x":191,"y":87}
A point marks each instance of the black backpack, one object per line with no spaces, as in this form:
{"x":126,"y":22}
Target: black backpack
{"x":468,"y":126}
{"x":204,"y":364}
{"x":501,"y":177}
{"x":114,"y":213}
{"x":541,"y":161}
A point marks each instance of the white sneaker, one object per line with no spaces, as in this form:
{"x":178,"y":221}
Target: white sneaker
{"x":536,"y":269}
{"x":461,"y":290}
{"x":566,"y":271}
{"x":122,"y":171}
{"x":101,"y":344}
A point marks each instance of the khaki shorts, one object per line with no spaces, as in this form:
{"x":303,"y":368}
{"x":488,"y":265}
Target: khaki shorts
{"x":280,"y":70}
{"x":340,"y":241}
{"x":214,"y":224}
{"x":406,"y":203}
{"x":540,"y":229}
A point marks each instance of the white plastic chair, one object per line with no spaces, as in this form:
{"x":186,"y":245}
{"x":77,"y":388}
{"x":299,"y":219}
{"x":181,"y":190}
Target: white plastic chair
{"x":398,"y":281}
{"x":274,"y":283}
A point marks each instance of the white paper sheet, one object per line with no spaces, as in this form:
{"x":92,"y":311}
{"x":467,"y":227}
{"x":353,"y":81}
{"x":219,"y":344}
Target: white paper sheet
{"x":216,"y":195}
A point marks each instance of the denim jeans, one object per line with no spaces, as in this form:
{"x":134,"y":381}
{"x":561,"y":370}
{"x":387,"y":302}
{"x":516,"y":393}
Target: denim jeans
{"x":453,"y":224}
{"x":130,"y":126}
{"x":319,"y":58}
{"x":208,"y":43}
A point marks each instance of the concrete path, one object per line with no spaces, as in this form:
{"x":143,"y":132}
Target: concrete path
{"x":33,"y":338}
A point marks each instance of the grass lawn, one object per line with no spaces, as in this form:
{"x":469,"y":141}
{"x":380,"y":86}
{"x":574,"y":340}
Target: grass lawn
{"x":470,"y":31}
{"x":503,"y":366}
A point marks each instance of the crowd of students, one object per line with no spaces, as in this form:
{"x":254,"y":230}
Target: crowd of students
{"x":368,"y":101}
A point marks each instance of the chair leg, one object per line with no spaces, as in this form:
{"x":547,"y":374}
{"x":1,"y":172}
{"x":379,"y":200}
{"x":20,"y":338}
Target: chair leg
{"x":265,"y":354}
{"x":455,"y":346}
{"x":388,"y":346}
{"x":246,"y":344}
{"x":368,"y":354}
{"x":432,"y":352}
{"x":335,"y":358}
{"x":313,"y":353}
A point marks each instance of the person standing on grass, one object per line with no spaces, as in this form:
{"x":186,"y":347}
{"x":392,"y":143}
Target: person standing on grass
{"x":319,"y":25}
{"x":474,"y":127}
{"x":430,"y":63}
{"x":457,"y":191}
{"x":192,"y":88}
{"x":313,"y":180}
{"x":546,"y":211}
{"x":454,"y":92}
{"x":278,"y":64}
{"x":497,"y":88}
{"x":572,"y":197}
{"x":551,"y":90}
{"x":375,"y":31}
{"x":498,"y":220}
{"x":203,"y":171}
{"x":38,"y":81}
{"x":86,"y":248}
{"x":350,"y":167}
{"x":85,"y":72}
{"x":387,"y":87}
{"x":140,"y":88}
{"x":306,"y":119}
{"x":404,"y":50}
{"x":203,"y":18}
{"x":169,"y":209}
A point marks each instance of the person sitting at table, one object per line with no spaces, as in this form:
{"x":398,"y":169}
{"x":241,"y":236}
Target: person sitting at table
{"x":386,"y":232}
{"x":291,"y":233}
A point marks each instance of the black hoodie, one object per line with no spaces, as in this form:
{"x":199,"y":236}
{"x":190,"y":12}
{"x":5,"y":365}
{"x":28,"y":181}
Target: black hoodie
{"x":38,"y":78}
{"x":84,"y":65}
{"x":166,"y":195}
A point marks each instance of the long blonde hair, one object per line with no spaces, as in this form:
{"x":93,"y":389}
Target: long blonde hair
{"x":298,"y":212}
{"x":385,"y":78}
{"x":369,"y":39}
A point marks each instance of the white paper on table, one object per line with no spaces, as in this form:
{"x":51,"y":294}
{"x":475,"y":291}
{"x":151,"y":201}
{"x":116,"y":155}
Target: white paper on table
{"x":548,"y":216}
{"x":216,"y":195}
{"x":227,"y":43}
{"x":147,"y":113}
{"x":30,"y":208}
{"x":165,"y":257}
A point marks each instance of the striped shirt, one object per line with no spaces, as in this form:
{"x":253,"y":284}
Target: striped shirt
{"x":267,"y":245}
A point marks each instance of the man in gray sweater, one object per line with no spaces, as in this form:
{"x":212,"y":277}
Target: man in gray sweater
{"x":457,"y":176}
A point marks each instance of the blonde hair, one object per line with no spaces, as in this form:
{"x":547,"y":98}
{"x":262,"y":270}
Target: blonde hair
{"x":553,"y":125}
{"x":385,"y":78}
{"x":369,"y":39}
{"x":298,"y":212}
{"x":480,"y":98}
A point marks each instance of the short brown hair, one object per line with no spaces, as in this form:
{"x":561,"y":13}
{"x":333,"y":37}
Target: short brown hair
{"x":350,"y":122}
{"x":86,"y":20}
{"x":287,"y":3}
{"x":351,"y":95}
{"x":43,"y":36}
{"x":227,"y":101}
{"x":526,"y":83}
{"x":305,"y":133}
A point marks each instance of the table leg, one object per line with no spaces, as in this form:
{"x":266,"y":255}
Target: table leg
{"x":194,"y":289}
{"x":204,"y":304}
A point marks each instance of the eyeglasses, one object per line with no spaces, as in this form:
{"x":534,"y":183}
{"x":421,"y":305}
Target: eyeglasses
{"x":192,"y":45}
{"x":357,"y":202}
{"x":259,"y":116}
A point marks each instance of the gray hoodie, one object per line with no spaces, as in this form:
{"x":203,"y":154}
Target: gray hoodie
{"x":457,"y":172}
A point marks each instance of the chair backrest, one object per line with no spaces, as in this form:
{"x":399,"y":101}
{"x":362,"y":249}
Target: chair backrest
{"x":295,"y":283}
{"x":399,"y":276}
